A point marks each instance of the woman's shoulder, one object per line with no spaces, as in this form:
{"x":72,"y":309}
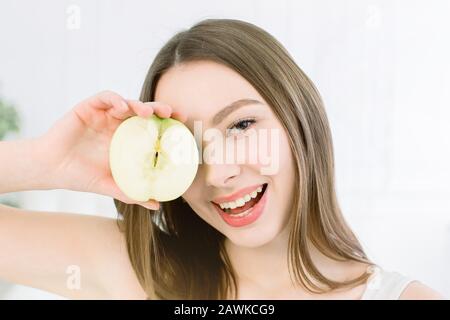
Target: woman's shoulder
{"x":392,"y":285}
{"x":416,"y":290}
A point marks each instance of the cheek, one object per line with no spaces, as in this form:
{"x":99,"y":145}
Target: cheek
{"x":286,"y":158}
{"x":195,"y":194}
{"x":286,"y":161}
{"x":286,"y":177}
{"x":278,"y":164}
{"x":191,"y":194}
{"x":266,"y":150}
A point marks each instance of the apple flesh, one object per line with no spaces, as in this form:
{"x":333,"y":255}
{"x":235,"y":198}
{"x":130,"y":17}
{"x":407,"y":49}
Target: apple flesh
{"x":153,"y":158}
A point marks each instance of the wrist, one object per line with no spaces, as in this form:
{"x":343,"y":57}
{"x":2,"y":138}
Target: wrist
{"x":22,"y":167}
{"x":43,"y":170}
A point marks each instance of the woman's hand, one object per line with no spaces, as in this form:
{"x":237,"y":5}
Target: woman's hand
{"x":76,"y":148}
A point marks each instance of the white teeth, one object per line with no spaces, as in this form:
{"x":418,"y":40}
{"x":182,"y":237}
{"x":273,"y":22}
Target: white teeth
{"x":241,"y":201}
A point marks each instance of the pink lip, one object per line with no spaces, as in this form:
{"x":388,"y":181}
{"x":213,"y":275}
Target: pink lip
{"x":254,"y":213}
{"x":236,"y":195}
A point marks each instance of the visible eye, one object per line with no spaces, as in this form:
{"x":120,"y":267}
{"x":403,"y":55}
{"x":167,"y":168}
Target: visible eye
{"x":240,"y":125}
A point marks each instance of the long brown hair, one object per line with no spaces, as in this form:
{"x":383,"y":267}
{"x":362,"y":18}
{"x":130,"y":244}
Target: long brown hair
{"x":176,"y":254}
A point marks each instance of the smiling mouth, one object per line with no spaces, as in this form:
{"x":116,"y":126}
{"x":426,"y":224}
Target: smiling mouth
{"x":248,"y":205}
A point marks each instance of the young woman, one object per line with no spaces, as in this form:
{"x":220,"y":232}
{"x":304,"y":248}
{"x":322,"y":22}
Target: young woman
{"x":292,"y":243}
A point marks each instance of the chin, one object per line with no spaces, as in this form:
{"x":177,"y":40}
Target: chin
{"x":255,"y":237}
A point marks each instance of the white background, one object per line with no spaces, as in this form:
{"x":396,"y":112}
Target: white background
{"x":382,"y":68}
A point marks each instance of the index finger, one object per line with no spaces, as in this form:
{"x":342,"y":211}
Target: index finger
{"x":106,"y":100}
{"x":164,"y":110}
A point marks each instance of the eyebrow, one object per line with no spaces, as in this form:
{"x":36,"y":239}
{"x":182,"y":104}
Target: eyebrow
{"x":222,"y":114}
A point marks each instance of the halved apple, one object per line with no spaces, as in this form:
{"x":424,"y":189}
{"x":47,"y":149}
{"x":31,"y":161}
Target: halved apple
{"x":153,"y":158}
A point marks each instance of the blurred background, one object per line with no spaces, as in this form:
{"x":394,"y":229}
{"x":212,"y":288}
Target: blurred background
{"x":382,"y":68}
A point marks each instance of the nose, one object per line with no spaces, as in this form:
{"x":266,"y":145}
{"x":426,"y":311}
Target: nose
{"x":220,"y":175}
{"x":218,"y":169}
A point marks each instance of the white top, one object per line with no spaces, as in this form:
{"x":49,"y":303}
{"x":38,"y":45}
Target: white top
{"x":385,"y":285}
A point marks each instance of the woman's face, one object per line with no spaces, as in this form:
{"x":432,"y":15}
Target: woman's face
{"x":244,"y":149}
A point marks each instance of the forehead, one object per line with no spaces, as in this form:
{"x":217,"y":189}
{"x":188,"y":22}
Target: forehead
{"x":202,"y":88}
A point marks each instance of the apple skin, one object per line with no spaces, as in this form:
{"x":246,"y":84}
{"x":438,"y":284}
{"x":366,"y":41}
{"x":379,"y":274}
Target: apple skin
{"x":153,"y":158}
